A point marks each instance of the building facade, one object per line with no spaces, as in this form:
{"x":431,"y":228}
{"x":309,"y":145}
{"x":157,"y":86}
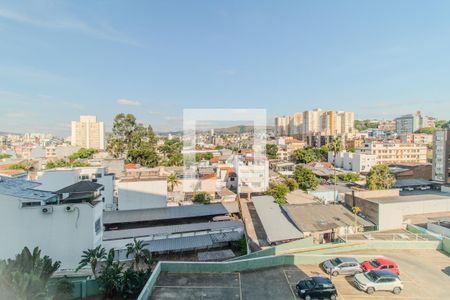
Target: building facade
{"x":316,"y":126}
{"x":394,"y":153}
{"x":441,"y":155}
{"x":88,"y":133}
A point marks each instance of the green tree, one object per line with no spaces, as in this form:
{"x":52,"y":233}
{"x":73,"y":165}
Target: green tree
{"x":426,"y":130}
{"x":4,"y":155}
{"x":240,"y":245}
{"x":278,"y":192}
{"x":133,"y":141}
{"x":349,"y":177}
{"x":271,"y":151}
{"x":202,"y":198}
{"x":142,"y":256}
{"x":171,"y":151}
{"x":92,"y":257}
{"x":203,"y":156}
{"x":380,"y":178}
{"x":83,"y":153}
{"x":110,"y":278}
{"x":26,"y":277}
{"x":305,"y":178}
{"x":442,"y":124}
{"x":335,"y":147}
{"x":291,"y":183}
{"x":65,"y":164}
{"x":306,"y":155}
{"x":172,"y":181}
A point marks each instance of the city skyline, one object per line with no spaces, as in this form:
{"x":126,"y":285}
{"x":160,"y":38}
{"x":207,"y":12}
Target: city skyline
{"x":380,"y":60}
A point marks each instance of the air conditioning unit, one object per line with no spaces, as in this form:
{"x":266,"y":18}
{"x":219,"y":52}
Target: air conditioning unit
{"x":47,"y":210}
{"x":69,"y":208}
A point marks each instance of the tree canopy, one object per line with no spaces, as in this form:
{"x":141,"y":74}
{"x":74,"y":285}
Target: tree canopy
{"x":279,"y":192}
{"x":83,"y":153}
{"x":133,"y":141}
{"x":26,"y":276}
{"x":305,"y":178}
{"x":271,"y":151}
{"x":202,"y":198}
{"x":380,"y":178}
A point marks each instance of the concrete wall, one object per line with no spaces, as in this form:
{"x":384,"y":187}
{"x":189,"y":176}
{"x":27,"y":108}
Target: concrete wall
{"x":370,"y":209}
{"x":142,"y":194}
{"x":391,"y":214}
{"x":436,"y":228}
{"x":61,"y":235}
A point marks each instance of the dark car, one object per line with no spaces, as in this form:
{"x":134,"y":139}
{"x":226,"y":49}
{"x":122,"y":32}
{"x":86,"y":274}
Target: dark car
{"x":316,"y":288}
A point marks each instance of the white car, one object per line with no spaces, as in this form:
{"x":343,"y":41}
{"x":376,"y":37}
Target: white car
{"x":378,"y":280}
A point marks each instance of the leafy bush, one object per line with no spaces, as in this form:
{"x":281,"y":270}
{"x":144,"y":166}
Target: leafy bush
{"x":305,"y":178}
{"x":202,"y":198}
{"x":279,"y":192}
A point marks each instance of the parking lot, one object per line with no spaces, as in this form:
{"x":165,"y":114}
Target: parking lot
{"x":425,"y":275}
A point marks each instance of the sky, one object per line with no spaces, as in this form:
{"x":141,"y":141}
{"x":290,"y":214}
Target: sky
{"x":63,"y":59}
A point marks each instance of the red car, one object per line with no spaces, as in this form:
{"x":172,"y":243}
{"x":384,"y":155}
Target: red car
{"x":380,"y":264}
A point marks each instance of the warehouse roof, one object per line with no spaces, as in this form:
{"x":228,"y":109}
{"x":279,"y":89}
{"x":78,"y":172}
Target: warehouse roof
{"x":276,"y":224}
{"x":167,"y":213}
{"x":317,"y":217}
{"x":171,"y":229}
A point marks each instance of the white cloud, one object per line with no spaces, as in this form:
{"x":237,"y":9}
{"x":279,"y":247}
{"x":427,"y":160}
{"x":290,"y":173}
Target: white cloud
{"x":128,"y":102}
{"x":101,"y":31}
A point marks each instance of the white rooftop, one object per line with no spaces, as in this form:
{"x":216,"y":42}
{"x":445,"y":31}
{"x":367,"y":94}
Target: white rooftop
{"x":23,"y":189}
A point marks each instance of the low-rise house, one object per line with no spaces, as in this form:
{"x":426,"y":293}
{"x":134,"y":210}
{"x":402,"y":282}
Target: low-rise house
{"x":325,"y":223}
{"x":61,"y":224}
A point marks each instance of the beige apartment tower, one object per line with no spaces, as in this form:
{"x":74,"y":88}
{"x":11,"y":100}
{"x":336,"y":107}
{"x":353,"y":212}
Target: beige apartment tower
{"x":88,"y":133}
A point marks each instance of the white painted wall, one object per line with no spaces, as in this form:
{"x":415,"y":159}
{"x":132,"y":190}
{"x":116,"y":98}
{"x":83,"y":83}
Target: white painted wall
{"x":391,"y":214}
{"x":56,"y":179}
{"x":142,"y":194}
{"x":59,"y":234}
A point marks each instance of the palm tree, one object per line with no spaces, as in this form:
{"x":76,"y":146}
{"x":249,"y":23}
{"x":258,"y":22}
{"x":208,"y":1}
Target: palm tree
{"x":92,"y":257}
{"x":335,"y":146}
{"x":26,"y":276}
{"x":140,"y":253}
{"x":172,"y":181}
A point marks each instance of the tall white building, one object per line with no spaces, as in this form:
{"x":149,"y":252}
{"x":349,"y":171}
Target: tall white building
{"x":441,"y":155}
{"x":60,"y":225}
{"x":88,"y":133}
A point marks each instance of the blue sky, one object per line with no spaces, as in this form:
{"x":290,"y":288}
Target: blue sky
{"x":61,"y":59}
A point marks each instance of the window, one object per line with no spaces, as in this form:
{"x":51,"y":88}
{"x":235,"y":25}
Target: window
{"x":98,"y":226}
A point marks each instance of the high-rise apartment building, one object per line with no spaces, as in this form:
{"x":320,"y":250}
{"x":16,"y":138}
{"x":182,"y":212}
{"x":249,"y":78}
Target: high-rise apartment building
{"x":441,"y":155}
{"x":412,"y":122}
{"x":316,"y":126}
{"x":88,"y":133}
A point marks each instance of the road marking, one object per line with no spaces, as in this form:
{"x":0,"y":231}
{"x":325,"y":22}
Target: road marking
{"x":240,"y":286}
{"x":290,"y":287}
{"x":195,"y":287}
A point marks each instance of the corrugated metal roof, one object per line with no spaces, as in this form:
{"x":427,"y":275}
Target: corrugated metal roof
{"x":165,"y":213}
{"x":315,"y":217}
{"x":276,"y":224}
{"x":225,"y":236}
{"x":171,"y":229}
{"x":182,"y":243}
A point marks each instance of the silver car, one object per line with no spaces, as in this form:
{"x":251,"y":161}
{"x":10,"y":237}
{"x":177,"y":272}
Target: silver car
{"x":378,"y":280}
{"x":342,"y":265}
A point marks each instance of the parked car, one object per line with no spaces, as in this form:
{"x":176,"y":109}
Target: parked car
{"x":380,"y":264}
{"x":316,"y":287}
{"x":378,"y":280}
{"x":342,"y":266}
